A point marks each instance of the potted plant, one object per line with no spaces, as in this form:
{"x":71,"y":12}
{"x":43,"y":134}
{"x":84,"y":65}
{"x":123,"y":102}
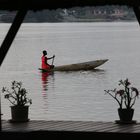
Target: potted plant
{"x":17,"y":96}
{"x":125,"y":97}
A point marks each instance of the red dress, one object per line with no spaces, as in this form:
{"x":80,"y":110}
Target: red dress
{"x":44,"y":65}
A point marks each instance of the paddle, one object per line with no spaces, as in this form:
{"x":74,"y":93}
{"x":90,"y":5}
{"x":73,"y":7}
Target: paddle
{"x":53,"y":59}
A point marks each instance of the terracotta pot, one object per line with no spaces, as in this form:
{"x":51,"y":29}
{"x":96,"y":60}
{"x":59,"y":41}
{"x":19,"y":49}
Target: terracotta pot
{"x":19,"y":113}
{"x":126,"y":115}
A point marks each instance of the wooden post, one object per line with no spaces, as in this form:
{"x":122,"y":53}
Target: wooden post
{"x":137,"y":13}
{"x":9,"y":39}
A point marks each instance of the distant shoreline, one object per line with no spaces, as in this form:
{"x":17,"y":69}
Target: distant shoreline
{"x":78,"y":20}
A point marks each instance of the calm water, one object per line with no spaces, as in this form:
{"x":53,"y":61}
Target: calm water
{"x":72,"y":95}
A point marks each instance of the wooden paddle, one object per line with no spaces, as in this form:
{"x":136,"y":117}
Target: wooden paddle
{"x":53,"y":59}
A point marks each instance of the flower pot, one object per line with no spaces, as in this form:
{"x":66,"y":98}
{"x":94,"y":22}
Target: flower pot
{"x":126,"y":115}
{"x":19,"y":113}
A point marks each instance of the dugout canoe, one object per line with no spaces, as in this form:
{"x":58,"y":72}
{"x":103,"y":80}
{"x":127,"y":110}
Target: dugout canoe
{"x":89,"y":65}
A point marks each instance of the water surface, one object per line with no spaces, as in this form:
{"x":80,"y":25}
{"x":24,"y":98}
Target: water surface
{"x":72,"y":95}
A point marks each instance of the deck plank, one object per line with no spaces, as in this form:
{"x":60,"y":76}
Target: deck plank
{"x":96,"y":128}
{"x":90,"y":126}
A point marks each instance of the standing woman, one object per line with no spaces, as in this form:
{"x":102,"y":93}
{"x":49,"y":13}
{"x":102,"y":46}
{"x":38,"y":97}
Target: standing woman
{"x":44,"y":60}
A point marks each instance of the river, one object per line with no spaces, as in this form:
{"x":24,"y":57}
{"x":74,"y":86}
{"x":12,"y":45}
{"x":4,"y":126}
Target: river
{"x":72,"y":95}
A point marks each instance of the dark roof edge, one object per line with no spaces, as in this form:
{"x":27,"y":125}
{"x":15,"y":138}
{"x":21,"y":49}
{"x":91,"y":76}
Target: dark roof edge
{"x":54,"y":4}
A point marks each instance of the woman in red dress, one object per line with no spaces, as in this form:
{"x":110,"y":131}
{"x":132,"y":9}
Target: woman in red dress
{"x":44,"y":60}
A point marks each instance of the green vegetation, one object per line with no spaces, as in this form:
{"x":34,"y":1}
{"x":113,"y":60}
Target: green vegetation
{"x":75,"y":14}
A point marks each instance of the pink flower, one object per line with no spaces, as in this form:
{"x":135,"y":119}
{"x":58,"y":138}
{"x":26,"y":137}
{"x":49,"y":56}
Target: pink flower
{"x":120,"y":92}
{"x":135,"y":90}
{"x":127,"y":94}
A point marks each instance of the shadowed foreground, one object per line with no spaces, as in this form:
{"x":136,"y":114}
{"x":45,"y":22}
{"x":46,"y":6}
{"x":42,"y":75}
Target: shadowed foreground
{"x":44,"y":129}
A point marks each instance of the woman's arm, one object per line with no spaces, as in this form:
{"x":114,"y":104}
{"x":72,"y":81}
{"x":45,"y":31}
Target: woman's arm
{"x":51,"y":57}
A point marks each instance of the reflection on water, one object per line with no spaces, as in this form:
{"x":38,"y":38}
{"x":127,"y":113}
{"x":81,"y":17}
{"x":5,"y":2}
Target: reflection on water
{"x":45,"y":102}
{"x":45,"y":81}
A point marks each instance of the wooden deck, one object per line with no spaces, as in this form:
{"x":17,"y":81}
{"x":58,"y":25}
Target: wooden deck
{"x":43,"y":129}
